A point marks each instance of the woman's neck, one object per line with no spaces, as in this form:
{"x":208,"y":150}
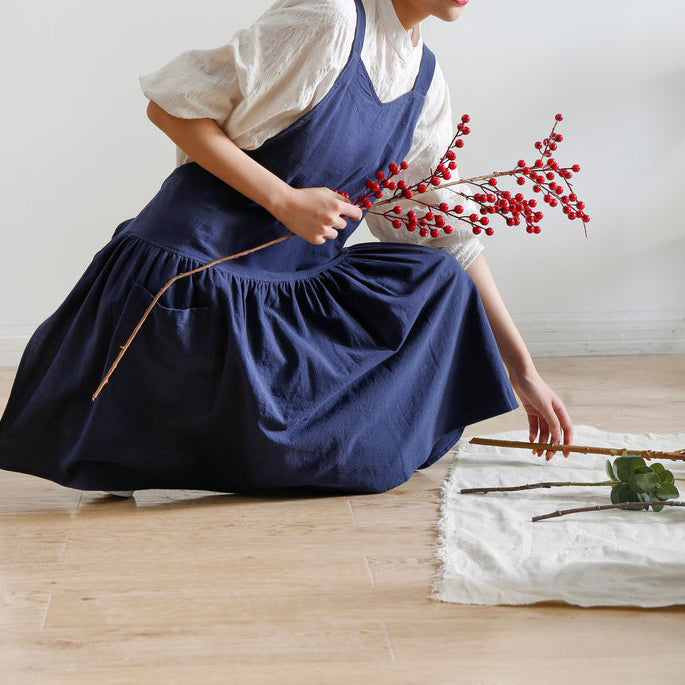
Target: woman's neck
{"x":409,"y":14}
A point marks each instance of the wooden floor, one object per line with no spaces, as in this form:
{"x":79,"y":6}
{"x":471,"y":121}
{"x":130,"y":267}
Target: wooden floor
{"x":198,"y":587}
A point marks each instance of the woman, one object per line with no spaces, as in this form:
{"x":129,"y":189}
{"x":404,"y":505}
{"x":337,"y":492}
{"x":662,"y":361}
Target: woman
{"x":306,"y":363}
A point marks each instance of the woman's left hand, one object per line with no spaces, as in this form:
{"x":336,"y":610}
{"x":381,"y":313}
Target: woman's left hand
{"x":546,"y":412}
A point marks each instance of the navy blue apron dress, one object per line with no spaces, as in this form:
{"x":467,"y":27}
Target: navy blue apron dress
{"x":326,"y":367}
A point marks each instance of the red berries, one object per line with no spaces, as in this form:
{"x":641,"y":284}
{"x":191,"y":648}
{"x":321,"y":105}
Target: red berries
{"x":543,"y":173}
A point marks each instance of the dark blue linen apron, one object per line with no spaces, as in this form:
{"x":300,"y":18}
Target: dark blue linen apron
{"x":325,"y":367}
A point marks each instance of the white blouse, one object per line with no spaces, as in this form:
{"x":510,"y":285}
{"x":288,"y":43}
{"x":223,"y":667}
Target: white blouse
{"x":270,"y":74}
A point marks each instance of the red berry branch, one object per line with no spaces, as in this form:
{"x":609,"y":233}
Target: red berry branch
{"x":492,"y":201}
{"x":490,"y":198}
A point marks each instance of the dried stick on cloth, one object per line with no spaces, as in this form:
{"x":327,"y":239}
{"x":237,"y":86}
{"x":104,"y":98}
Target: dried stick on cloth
{"x":622,"y":451}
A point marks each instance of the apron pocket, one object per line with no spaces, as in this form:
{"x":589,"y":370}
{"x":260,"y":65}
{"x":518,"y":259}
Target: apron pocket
{"x":167,"y":369}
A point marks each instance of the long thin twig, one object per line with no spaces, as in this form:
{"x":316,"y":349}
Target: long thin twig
{"x":614,"y":452}
{"x":163,"y":288}
{"x":531,"y":486}
{"x":620,"y":505}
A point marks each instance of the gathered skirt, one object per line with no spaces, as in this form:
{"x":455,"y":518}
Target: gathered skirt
{"x":344,"y":377}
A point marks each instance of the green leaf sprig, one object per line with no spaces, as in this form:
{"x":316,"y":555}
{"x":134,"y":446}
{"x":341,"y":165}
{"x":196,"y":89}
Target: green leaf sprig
{"x":636,"y":481}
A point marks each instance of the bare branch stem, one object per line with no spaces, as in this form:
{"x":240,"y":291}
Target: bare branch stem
{"x":622,"y":452}
{"x":530,"y":486}
{"x":620,"y":505}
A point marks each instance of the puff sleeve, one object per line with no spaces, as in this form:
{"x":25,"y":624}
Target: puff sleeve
{"x":433,"y":133}
{"x":264,"y":78}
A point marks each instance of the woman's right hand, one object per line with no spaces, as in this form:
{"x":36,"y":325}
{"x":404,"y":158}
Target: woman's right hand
{"x":316,"y":214}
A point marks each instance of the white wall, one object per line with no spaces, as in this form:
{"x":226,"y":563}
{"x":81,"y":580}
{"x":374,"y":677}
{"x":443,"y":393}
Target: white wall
{"x":80,"y":155}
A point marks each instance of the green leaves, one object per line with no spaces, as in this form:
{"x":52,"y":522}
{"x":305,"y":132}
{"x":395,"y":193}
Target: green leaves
{"x":639,"y":482}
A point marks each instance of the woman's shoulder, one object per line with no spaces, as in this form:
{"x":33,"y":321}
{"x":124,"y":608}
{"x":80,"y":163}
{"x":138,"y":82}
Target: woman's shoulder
{"x":325,"y":24}
{"x":323,"y":28}
{"x":324,"y":10}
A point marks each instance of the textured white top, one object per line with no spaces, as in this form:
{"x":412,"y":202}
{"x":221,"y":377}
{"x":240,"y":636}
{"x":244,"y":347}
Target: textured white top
{"x":270,"y":74}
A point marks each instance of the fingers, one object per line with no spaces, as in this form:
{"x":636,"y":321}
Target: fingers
{"x":568,"y":438}
{"x":554,"y":436}
{"x":544,"y":435}
{"x":339,"y":222}
{"x":546,"y":422}
{"x":532,"y":429}
{"x":559,"y":419}
{"x":328,"y":234}
{"x":566,"y":423}
{"x":350,"y":209}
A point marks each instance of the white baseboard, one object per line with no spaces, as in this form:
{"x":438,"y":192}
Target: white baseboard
{"x":605,"y":333}
{"x":545,"y":334}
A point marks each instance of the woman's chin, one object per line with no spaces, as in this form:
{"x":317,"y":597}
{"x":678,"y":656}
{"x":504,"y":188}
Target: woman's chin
{"x":452,"y":12}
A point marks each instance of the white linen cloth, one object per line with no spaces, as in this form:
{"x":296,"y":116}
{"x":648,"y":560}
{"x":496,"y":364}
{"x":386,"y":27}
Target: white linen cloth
{"x":492,"y":553}
{"x":270,"y":74}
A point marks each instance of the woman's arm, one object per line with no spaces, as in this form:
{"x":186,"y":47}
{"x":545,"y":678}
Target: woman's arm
{"x":514,"y":352}
{"x":312,"y":213}
{"x":546,"y":411}
{"x":205,"y":142}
